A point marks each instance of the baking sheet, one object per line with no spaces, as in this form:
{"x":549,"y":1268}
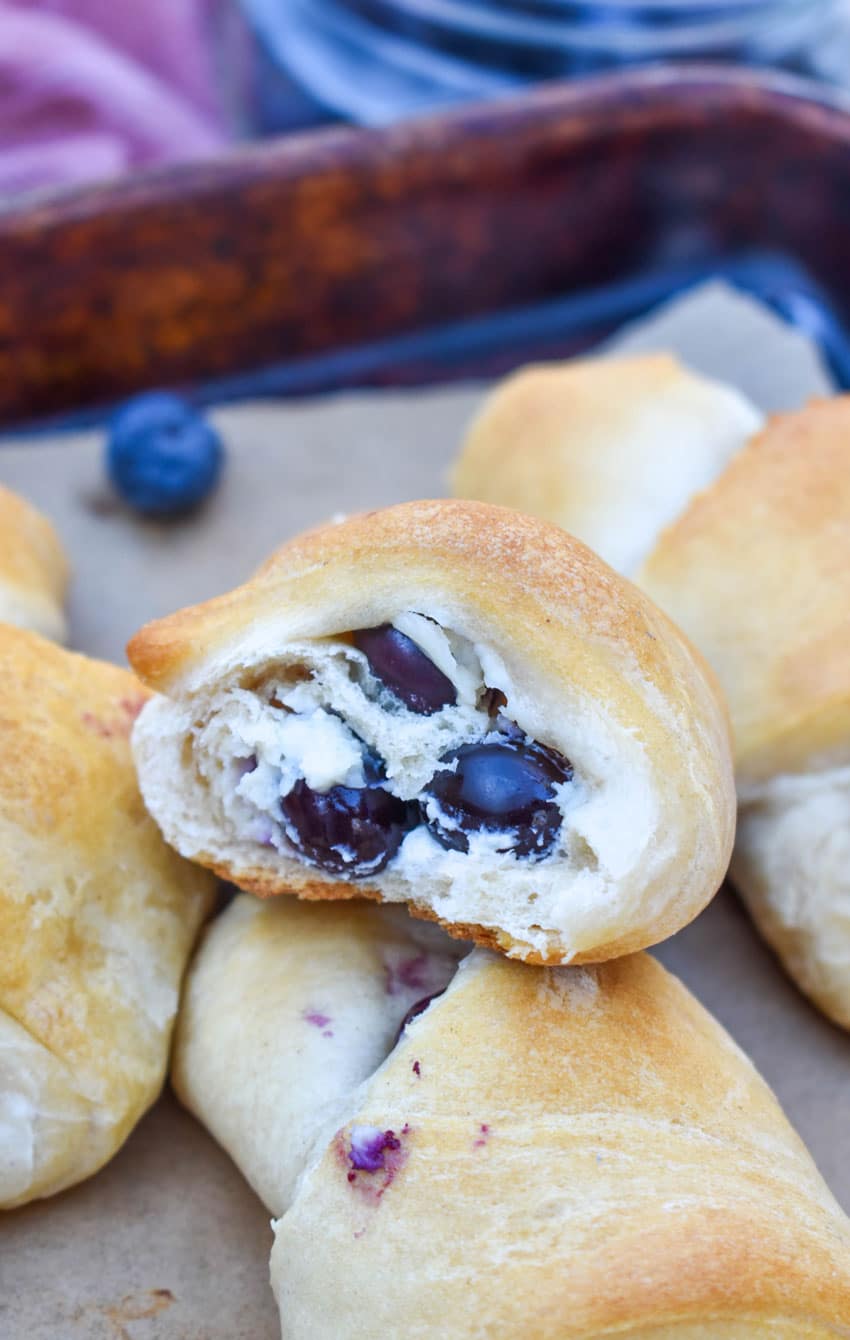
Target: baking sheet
{"x":168,"y":1243}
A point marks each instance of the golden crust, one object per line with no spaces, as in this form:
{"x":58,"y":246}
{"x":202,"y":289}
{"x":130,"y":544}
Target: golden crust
{"x":757,"y":572}
{"x":264,"y":883}
{"x":572,"y":635}
{"x":585,"y":1153}
{"x":516,"y":569}
{"x":33,"y":568}
{"x":608,"y":448}
{"x":97,"y":915}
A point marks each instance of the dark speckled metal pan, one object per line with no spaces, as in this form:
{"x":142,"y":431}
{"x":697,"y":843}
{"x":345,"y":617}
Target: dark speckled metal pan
{"x":341,"y":256}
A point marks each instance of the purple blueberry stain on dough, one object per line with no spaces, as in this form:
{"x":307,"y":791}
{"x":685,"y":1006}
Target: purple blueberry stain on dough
{"x":263,"y":833}
{"x":369,"y":1147}
{"x":417,"y":1069}
{"x":372,"y":1158}
{"x":410,"y":974}
{"x":121,"y":726}
{"x":483,"y":1136}
{"x":131,"y":707}
{"x":318,"y":1020}
{"x":94,"y":723}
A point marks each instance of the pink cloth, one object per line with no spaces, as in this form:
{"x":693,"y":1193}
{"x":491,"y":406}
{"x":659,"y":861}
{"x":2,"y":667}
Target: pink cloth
{"x":93,"y":88}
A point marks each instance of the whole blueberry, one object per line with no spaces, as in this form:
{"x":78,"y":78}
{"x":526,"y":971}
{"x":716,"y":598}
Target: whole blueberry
{"x":347,"y":830}
{"x":503,"y":784}
{"x":406,"y":671}
{"x":162,"y":456}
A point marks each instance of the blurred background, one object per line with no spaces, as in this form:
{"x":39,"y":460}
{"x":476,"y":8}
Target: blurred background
{"x":93,"y":89}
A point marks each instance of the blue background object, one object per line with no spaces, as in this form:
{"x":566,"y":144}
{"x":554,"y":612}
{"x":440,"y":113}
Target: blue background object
{"x":374,"y":62}
{"x":163,"y":457}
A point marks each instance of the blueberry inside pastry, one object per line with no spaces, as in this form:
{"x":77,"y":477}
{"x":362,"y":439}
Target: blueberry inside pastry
{"x":453,"y":706}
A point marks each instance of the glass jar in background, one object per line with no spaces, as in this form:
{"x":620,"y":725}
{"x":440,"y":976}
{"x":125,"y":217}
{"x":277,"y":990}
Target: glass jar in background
{"x":376,"y":61}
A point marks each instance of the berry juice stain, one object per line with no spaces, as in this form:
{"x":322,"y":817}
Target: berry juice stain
{"x":407,"y":974}
{"x":372,"y":1158}
{"x":318,"y":1020}
{"x":483,"y":1136}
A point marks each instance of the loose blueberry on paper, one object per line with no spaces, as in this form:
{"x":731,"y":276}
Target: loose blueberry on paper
{"x":163,"y":457}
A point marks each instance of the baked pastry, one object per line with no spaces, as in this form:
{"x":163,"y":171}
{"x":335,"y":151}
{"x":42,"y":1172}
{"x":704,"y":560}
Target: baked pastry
{"x":568,"y":1152}
{"x":33,"y":569}
{"x":757,"y":572}
{"x":288,"y":1008}
{"x":609,"y":448}
{"x":97,"y":918}
{"x":450,"y":705}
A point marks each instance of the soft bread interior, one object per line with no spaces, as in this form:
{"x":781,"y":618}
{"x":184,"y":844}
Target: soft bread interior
{"x":214,"y":764}
{"x":792,"y":865}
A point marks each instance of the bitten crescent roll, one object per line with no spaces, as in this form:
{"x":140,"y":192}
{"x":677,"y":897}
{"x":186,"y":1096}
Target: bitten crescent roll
{"x":451,"y":705}
{"x":611,"y":449}
{"x":33,"y":569}
{"x":560,"y":1154}
{"x":97,"y":919}
{"x":757,"y":572}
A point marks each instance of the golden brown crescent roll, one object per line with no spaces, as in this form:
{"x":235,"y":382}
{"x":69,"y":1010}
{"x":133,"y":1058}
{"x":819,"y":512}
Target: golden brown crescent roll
{"x":609,"y":448}
{"x":97,"y":918}
{"x":33,"y":569}
{"x":451,"y":705}
{"x":757,"y":572}
{"x":553,"y":1154}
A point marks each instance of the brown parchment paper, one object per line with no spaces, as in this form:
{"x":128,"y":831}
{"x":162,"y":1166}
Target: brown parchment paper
{"x":167,"y":1241}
